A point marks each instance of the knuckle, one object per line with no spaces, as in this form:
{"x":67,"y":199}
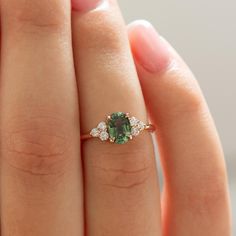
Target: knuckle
{"x":37,"y":146}
{"x":29,"y":16}
{"x":103,"y":34}
{"x":124,"y":169}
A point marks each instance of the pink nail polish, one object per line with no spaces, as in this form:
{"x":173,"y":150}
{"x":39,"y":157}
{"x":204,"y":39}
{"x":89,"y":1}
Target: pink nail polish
{"x":148,"y":48}
{"x":85,"y":5}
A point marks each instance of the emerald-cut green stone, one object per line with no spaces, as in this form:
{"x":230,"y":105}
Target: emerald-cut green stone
{"x":119,"y":128}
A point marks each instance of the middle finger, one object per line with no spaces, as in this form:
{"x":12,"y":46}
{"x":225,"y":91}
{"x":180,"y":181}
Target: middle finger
{"x":40,"y":171}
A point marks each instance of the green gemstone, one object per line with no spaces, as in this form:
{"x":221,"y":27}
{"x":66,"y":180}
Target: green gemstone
{"x":119,"y":128}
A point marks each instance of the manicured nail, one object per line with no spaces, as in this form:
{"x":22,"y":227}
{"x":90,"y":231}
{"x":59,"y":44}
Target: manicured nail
{"x":85,"y":5}
{"x":148,"y":48}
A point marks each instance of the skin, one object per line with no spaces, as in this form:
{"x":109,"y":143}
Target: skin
{"x":62,"y":72}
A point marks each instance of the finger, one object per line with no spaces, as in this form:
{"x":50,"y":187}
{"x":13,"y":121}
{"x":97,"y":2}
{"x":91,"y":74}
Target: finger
{"x":41,"y":180}
{"x":121,"y":188}
{"x":195,"y":195}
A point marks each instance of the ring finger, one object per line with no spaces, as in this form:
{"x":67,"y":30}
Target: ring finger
{"x":121,"y":187}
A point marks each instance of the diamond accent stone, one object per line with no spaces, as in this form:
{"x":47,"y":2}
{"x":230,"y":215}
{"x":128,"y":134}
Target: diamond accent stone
{"x":102,"y":126}
{"x":104,"y":136}
{"x":95,"y":132}
{"x":135,"y":131}
{"x":133,"y":121}
{"x":141,"y":125}
{"x":137,"y":126}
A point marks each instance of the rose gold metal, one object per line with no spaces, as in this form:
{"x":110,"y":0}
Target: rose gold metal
{"x":112,"y":140}
{"x":150,"y":128}
{"x":85,"y":136}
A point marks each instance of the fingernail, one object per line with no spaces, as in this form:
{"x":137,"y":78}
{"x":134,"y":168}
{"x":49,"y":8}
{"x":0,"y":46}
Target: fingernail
{"x":148,"y":48}
{"x":85,"y":5}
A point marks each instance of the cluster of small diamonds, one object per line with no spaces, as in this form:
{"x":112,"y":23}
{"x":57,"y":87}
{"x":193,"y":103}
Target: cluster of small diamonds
{"x":137,"y":126}
{"x":100,"y":131}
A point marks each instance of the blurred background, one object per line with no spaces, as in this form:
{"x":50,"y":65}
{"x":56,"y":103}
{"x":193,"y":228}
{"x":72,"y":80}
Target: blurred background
{"x":204,"y":33}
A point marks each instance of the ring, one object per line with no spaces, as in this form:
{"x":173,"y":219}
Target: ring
{"x":118,"y":128}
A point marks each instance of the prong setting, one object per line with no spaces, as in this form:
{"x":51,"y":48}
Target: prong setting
{"x":112,"y":140}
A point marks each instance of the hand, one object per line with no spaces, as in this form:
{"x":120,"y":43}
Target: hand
{"x":49,"y":79}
